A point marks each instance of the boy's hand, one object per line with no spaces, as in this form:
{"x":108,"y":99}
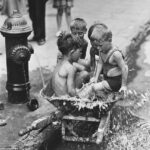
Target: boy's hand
{"x":93,"y":80}
{"x":124,"y":90}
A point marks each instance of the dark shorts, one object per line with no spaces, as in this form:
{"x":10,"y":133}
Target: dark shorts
{"x":114,"y":82}
{"x":62,"y":3}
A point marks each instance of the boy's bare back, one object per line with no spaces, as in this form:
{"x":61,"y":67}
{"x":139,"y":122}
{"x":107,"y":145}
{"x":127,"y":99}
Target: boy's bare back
{"x":63,"y":79}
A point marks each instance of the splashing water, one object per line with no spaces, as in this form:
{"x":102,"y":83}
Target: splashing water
{"x":40,"y":70}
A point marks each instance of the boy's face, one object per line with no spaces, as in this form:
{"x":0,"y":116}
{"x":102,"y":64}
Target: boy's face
{"x":100,"y":44}
{"x":78,"y":33}
{"x":76,"y":54}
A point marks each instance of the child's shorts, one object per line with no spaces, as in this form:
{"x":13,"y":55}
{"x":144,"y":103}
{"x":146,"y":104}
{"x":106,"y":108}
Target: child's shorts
{"x":62,"y":3}
{"x":114,"y":82}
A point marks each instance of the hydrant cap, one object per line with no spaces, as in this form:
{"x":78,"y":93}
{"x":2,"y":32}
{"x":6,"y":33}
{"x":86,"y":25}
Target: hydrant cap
{"x":15,"y":24}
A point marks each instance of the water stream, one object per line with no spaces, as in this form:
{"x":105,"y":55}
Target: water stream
{"x":40,"y":69}
{"x":25,"y":81}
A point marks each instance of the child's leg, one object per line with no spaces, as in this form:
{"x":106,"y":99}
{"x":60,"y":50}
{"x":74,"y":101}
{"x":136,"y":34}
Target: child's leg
{"x":82,"y":78}
{"x":68,"y":16}
{"x":104,"y":123}
{"x":101,"y":86}
{"x":59,"y":18}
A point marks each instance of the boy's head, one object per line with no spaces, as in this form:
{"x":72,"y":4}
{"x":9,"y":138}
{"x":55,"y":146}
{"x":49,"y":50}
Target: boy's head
{"x":69,"y":45}
{"x":100,"y":36}
{"x":78,"y":27}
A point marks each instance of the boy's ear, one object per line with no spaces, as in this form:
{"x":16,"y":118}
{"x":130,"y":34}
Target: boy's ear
{"x":71,"y":52}
{"x":109,"y":35}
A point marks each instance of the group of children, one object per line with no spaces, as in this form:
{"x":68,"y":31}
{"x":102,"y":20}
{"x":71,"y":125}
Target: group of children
{"x":73,"y":70}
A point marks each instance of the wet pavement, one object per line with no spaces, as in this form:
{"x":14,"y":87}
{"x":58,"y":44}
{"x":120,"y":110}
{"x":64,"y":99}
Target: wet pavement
{"x":142,"y":80}
{"x":124,"y":19}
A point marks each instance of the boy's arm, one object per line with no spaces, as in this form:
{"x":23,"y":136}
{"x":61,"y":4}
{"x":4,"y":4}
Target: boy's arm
{"x":84,"y":49}
{"x":70,"y":81}
{"x":84,"y":62}
{"x":78,"y":66}
{"x":98,"y":69}
{"x":124,"y":69}
{"x":92,"y":57}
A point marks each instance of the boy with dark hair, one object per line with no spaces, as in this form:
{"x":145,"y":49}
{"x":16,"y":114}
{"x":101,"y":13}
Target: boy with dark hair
{"x":78,"y":29}
{"x":66,"y":77}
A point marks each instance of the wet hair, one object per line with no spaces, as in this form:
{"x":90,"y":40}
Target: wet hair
{"x":66,"y":42}
{"x":78,"y":24}
{"x":100,"y":29}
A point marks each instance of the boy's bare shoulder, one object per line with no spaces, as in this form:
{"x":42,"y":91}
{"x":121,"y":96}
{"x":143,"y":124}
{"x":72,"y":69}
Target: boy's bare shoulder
{"x":117,"y":55}
{"x":70,"y":68}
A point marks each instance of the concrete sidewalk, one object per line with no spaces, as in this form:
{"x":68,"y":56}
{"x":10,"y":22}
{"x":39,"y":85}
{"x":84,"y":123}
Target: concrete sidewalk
{"x":123,"y":17}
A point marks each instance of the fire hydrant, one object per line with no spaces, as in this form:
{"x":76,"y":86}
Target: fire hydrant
{"x":18,"y":52}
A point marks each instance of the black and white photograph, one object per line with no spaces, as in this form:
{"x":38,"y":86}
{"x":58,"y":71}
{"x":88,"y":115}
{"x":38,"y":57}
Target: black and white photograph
{"x":74,"y":75}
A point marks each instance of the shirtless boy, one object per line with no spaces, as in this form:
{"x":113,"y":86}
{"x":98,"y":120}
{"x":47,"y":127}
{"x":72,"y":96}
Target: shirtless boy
{"x":65,"y":74}
{"x":78,"y":29}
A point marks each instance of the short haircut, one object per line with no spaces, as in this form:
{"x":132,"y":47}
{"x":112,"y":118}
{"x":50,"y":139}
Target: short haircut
{"x":100,"y":29}
{"x":78,"y":24}
{"x":66,"y":42}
